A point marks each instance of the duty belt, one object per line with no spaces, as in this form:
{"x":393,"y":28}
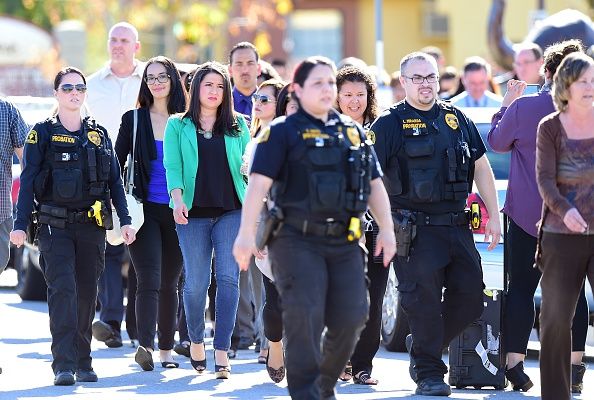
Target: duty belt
{"x":445,"y":219}
{"x":316,"y":228}
{"x":64,"y":214}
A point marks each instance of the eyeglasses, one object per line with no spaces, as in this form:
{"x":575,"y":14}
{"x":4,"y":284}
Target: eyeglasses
{"x":417,"y":80}
{"x":262,"y":98}
{"x":161,"y":78}
{"x":69,"y":87}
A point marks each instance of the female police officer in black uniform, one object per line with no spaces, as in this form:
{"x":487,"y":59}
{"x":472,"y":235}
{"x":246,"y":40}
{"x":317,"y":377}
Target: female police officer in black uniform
{"x":322,"y":175}
{"x":70,"y":175}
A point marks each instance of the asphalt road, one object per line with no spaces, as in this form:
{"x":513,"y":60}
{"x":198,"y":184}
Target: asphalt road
{"x":25,"y":360}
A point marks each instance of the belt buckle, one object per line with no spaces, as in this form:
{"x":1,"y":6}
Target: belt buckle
{"x":332,"y":228}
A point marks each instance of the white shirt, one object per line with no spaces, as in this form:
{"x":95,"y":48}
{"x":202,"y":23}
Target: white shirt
{"x":489,"y":99}
{"x":109,"y":97}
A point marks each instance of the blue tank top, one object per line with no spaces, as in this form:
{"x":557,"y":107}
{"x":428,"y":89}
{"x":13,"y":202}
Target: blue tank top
{"x":157,"y":187}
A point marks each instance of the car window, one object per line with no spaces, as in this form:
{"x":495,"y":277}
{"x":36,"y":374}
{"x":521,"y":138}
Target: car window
{"x":499,"y":161}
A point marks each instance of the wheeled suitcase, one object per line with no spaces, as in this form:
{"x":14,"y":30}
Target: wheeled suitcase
{"x":475,"y":356}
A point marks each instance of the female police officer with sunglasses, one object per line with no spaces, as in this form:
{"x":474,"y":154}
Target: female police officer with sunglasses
{"x":322,"y":174}
{"x":70,"y":176}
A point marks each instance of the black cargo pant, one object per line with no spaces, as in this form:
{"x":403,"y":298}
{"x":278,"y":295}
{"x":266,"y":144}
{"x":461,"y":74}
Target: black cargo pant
{"x":441,"y":257}
{"x":321,"y":282}
{"x":368,"y":344}
{"x":72,"y":260}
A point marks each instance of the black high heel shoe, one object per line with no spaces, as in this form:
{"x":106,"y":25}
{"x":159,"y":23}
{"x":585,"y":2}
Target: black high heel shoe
{"x":222,"y":371}
{"x":518,"y":378}
{"x":198,"y":365}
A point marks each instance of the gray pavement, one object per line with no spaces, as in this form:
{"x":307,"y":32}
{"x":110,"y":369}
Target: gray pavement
{"x":25,"y":360}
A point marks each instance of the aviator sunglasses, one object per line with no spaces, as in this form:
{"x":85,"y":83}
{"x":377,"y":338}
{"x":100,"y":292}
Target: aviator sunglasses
{"x":262,"y":98}
{"x":69,"y":87}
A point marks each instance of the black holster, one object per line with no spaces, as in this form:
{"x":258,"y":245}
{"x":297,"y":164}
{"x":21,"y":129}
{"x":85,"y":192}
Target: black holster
{"x":32,"y":228}
{"x":406,"y":231}
{"x":270,"y":224}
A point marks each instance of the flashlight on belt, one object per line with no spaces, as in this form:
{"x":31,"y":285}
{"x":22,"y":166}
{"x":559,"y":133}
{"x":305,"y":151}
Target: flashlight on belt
{"x":95,"y":212}
{"x":354,"y":232}
{"x":475,"y":215}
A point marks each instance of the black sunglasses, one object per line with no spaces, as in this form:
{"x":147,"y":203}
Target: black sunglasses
{"x":69,"y":87}
{"x":262,"y":98}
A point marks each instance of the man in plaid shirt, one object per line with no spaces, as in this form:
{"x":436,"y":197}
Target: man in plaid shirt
{"x":13,"y":132}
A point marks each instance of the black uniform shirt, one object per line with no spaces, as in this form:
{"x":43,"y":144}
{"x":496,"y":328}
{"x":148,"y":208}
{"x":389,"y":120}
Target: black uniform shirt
{"x":386,"y":133}
{"x":36,"y":145}
{"x":283,"y":140}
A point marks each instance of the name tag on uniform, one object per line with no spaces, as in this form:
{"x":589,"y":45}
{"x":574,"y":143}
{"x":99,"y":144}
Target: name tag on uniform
{"x":414,"y":127}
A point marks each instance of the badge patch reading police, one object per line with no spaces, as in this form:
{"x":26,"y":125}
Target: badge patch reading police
{"x":32,"y":137}
{"x":451,"y":120}
{"x":94,"y":138}
{"x":353,"y":135}
{"x":371,"y":136}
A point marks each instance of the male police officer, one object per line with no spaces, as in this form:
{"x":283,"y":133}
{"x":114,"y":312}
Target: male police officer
{"x":430,"y":153}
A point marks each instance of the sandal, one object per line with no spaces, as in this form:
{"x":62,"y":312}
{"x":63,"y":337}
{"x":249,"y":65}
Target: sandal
{"x":364,"y":378}
{"x":347,"y":374}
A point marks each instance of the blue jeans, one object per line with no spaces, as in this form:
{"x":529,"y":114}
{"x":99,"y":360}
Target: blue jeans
{"x":197,"y":240}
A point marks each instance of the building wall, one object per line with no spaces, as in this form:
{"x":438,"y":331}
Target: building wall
{"x":468,"y":31}
{"x":402,"y":31}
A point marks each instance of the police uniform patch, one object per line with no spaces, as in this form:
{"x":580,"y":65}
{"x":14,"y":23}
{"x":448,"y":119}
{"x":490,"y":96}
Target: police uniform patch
{"x":353,"y":135}
{"x":63,"y":139}
{"x":371,"y":136}
{"x":451,"y":120}
{"x":32,"y":137}
{"x":94,"y":138}
{"x":414,"y":126}
{"x":263,"y":136}
{"x":314,"y":134}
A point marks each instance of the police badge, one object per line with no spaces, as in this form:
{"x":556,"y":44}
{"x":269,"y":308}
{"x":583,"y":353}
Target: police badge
{"x":94,"y":138}
{"x":451,"y":120}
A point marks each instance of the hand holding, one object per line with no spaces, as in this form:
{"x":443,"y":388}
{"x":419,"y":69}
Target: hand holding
{"x":128,"y":233}
{"x":515,"y":89}
{"x":18,"y":237}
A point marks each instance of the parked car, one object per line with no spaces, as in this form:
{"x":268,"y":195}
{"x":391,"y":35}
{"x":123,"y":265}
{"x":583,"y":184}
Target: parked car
{"x":394,"y":322}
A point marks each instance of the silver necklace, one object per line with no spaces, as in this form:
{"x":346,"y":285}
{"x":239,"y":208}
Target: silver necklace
{"x":205,"y":134}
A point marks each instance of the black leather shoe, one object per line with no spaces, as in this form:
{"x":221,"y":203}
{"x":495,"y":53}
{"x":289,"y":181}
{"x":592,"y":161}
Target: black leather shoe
{"x":183,"y":349}
{"x":244,"y":343}
{"x":433,"y":386}
{"x":411,"y":367}
{"x":86,"y":375}
{"x":104,"y":332}
{"x":577,"y":377}
{"x":144,"y":358}
{"x":64,"y":378}
{"x":518,"y":378}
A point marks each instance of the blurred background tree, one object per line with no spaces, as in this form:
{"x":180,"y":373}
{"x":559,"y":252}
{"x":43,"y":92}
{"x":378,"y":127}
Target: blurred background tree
{"x":186,"y":30}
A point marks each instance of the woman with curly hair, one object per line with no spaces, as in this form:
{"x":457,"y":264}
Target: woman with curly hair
{"x":357,"y":99}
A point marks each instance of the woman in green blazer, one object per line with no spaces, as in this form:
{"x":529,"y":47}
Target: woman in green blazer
{"x":203,"y":150}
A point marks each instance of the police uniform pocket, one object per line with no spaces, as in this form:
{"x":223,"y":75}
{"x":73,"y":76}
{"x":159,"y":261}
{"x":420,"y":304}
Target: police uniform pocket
{"x":67,"y":185}
{"x":424,"y":185}
{"x":104,"y":163}
{"x":408,"y":295}
{"x":324,"y":156}
{"x":44,"y":239}
{"x":327,"y":191}
{"x":419,"y":148}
